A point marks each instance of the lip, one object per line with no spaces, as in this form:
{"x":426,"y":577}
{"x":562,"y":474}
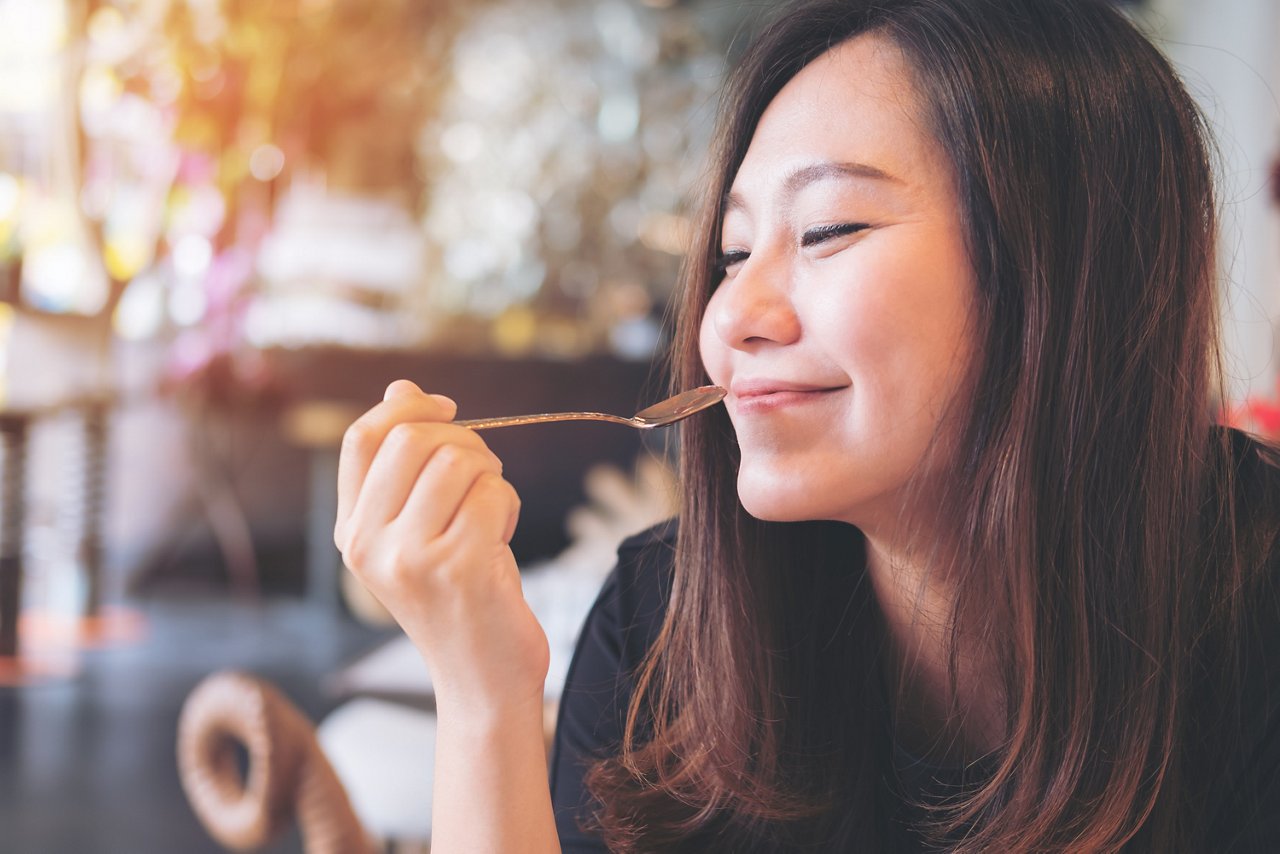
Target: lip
{"x":762,"y":395}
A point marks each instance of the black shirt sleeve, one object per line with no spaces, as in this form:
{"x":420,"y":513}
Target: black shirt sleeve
{"x":615,"y":637}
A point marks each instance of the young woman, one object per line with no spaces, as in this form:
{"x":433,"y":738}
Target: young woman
{"x":964,"y":562}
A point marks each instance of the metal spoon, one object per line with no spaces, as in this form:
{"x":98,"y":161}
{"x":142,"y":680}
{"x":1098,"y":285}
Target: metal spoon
{"x":660,"y":414}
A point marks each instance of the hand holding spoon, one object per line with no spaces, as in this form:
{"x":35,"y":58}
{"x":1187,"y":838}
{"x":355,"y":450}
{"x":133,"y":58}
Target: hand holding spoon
{"x":661,"y":414}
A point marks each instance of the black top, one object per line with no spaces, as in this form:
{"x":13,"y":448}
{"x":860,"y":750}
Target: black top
{"x":628,"y":613}
{"x":618,"y":631}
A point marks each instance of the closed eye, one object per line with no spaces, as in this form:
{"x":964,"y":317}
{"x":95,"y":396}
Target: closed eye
{"x":730,"y":259}
{"x":822,"y":233}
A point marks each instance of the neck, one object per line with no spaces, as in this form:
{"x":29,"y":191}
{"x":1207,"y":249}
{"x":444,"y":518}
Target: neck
{"x":934,"y":717}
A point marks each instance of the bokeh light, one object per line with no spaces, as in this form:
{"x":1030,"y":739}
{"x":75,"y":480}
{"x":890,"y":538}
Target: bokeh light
{"x":505,"y":178}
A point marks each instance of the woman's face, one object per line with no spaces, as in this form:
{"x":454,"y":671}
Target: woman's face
{"x":843,"y":325}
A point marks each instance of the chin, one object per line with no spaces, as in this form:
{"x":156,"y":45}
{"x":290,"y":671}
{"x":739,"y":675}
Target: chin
{"x":772,"y":513}
{"x":775,"y":503}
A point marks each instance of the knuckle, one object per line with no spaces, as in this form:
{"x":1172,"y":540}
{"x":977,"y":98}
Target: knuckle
{"x":358,"y":436}
{"x":449,"y":575}
{"x":485,"y":462}
{"x":442,"y":569}
{"x":466,"y":438}
{"x":448,"y":457}
{"x":402,"y":436}
{"x":432,"y":555}
{"x":489,"y":493}
{"x":504,"y":486}
{"x":355,"y":550}
{"x":471,"y":439}
{"x":491,"y":462}
{"x":401,"y":572}
{"x":496,"y":486}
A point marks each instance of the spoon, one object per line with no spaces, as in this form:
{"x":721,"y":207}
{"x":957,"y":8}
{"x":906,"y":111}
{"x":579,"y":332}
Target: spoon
{"x":661,"y":414}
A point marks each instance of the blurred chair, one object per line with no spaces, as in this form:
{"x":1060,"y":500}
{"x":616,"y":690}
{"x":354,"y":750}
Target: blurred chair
{"x":288,"y":777}
{"x":53,"y":367}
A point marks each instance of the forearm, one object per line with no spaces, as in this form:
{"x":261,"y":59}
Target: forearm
{"x":491,"y":792}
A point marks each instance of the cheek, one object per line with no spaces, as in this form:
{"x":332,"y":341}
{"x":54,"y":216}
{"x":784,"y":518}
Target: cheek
{"x":903,"y":336}
{"x":897,"y":318}
{"x":864,"y":331}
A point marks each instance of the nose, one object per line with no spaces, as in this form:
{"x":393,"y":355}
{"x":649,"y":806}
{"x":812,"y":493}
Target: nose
{"x":754,"y":307}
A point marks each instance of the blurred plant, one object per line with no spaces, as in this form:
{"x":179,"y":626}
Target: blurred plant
{"x":564,"y":146}
{"x":193,"y":115}
{"x":547,"y":145}
{"x":248,"y":96}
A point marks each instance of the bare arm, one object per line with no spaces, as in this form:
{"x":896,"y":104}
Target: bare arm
{"x":491,"y":784}
{"x":424,"y":521}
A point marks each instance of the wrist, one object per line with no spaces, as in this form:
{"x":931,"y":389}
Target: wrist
{"x":484,"y":715}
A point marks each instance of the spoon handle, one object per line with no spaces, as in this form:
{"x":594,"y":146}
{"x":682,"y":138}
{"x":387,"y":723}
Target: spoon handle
{"x":544,"y":418}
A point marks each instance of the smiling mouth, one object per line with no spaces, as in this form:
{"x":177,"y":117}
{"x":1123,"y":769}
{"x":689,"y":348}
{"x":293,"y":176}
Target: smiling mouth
{"x":765,"y":400}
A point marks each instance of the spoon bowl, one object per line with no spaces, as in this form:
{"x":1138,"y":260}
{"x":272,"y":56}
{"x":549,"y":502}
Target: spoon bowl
{"x":660,"y":414}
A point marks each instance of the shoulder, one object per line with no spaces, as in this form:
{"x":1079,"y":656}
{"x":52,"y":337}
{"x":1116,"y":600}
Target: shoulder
{"x":661,"y":538}
{"x":1256,"y":486}
{"x":1255,"y":468}
{"x":1247,"y":812}
{"x":1256,"y":464}
{"x":1249,"y":506}
{"x":628,"y":611}
{"x":636,"y":592}
{"x":649,"y":556}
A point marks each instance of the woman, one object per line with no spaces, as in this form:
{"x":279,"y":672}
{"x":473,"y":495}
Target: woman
{"x":963,"y":563}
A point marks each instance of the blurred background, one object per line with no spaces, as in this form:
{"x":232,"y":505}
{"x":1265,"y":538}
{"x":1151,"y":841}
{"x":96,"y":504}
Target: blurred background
{"x":226,"y":225}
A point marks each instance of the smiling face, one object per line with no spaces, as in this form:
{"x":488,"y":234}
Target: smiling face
{"x":843,"y":326}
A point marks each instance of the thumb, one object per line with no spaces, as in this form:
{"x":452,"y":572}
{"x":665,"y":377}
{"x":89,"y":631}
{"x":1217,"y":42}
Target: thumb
{"x":401,"y":388}
{"x":408,"y":388}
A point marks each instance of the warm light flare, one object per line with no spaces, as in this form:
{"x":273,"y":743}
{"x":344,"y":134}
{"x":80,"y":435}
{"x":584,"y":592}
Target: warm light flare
{"x":33,"y":34}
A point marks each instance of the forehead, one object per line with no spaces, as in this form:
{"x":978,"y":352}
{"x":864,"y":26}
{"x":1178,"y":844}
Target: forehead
{"x":856,"y":103}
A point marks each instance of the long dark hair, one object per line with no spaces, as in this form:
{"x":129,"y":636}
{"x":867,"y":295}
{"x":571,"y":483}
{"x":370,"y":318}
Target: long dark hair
{"x":1092,"y":493}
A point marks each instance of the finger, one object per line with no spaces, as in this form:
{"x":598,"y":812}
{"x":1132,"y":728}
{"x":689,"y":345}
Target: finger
{"x":488,"y":513}
{"x":408,"y":388}
{"x":404,"y":460}
{"x":444,"y":483}
{"x":403,"y":402}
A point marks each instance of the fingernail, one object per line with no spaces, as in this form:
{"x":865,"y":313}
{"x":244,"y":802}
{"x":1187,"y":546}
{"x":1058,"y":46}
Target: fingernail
{"x":444,"y":401}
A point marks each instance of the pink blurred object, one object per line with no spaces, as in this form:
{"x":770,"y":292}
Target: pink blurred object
{"x":1255,"y":415}
{"x":221,"y":379}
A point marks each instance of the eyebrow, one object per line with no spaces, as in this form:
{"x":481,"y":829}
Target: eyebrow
{"x":824,"y":171}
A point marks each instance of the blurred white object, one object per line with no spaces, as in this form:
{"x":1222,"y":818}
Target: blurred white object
{"x":324,"y":240}
{"x":337,"y":269}
{"x":384,"y":754}
{"x":49,"y":359}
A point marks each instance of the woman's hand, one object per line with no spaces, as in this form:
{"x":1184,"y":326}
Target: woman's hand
{"x":424,"y":521}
